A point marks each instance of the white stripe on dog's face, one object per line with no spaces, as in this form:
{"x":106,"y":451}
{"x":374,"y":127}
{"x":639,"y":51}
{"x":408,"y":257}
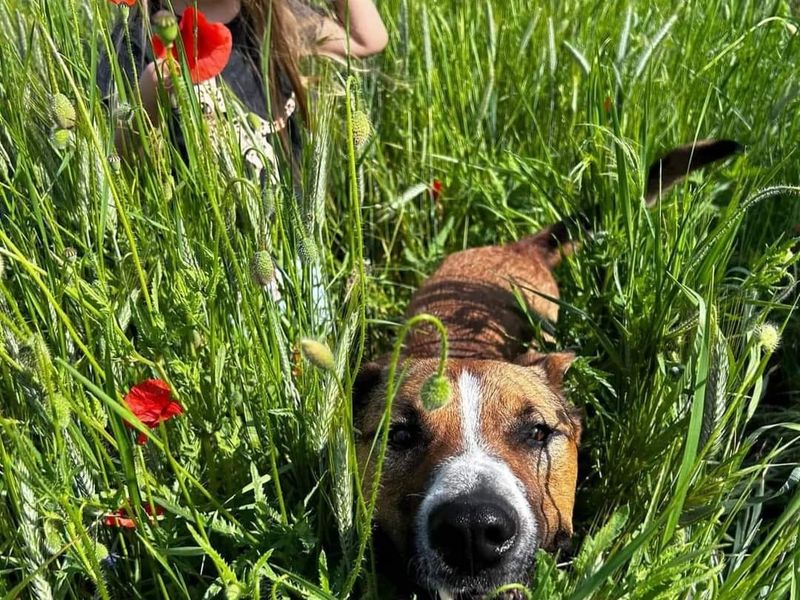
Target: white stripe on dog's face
{"x":469,"y":389}
{"x":473,"y":470}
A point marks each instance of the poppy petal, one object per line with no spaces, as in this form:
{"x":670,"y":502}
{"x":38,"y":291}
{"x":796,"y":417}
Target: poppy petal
{"x":147,"y":400}
{"x":207,"y":45}
{"x":119,"y":518}
{"x":173,"y":409}
{"x":151,"y":402}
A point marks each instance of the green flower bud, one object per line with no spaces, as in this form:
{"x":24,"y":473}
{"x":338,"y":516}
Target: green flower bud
{"x":62,"y":139}
{"x":262,"y":268}
{"x":307,"y":250}
{"x":317,"y":353}
{"x":100,"y":551}
{"x":61,"y":410}
{"x":165,"y":26}
{"x":115,"y":163}
{"x":167,"y":188}
{"x":62,"y":110}
{"x":53,"y":541}
{"x":122,"y":112}
{"x":70,"y":254}
{"x":254,"y":121}
{"x":436,"y":392}
{"x":362,"y":129}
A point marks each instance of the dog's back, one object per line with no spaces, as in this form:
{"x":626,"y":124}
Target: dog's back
{"x":476,"y":292}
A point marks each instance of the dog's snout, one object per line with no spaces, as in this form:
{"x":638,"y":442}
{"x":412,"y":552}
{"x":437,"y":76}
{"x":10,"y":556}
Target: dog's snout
{"x":474,"y":532}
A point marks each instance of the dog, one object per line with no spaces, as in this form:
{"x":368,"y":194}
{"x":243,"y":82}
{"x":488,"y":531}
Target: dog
{"x":470,"y":491}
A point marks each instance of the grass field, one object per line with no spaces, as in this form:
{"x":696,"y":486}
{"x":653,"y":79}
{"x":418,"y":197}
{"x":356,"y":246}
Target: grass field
{"x":682,"y":316}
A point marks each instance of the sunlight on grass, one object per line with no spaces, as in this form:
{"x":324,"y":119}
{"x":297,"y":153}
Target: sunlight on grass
{"x":480,"y":122}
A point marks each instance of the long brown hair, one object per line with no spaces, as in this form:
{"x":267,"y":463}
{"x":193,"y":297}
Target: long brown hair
{"x":274,"y":22}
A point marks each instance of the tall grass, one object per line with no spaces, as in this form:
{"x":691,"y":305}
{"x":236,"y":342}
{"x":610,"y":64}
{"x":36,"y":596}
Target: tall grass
{"x":524,"y":113}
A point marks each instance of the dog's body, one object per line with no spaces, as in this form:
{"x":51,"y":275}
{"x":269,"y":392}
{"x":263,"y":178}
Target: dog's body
{"x":470,"y":491}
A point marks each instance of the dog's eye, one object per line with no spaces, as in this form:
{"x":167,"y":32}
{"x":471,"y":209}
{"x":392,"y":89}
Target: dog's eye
{"x":538,"y":434}
{"x":403,"y":436}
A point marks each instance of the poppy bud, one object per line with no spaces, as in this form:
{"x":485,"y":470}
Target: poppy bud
{"x":167,"y":188}
{"x":61,"y":138}
{"x":115,"y":163}
{"x":317,"y":353}
{"x":52,"y":540}
{"x":165,"y":26}
{"x":436,"y":392}
{"x":101,"y":552}
{"x":62,"y":110}
{"x":61,"y":410}
{"x":122,"y":112}
{"x":262,"y":268}
{"x":769,"y":338}
{"x":362,"y":129}
{"x":254,"y":121}
{"x":307,"y":250}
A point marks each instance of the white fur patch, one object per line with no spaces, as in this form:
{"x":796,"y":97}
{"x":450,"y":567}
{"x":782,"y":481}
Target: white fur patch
{"x":469,"y":388}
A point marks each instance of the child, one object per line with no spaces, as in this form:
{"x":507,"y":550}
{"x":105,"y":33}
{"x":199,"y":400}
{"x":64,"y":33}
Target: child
{"x":293,"y":30}
{"x":254,"y":109}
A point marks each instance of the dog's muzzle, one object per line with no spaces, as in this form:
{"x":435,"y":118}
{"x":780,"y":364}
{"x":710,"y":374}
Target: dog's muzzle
{"x":475,"y":530}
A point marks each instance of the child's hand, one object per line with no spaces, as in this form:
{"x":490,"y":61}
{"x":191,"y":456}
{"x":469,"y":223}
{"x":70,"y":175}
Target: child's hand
{"x":155,"y":77}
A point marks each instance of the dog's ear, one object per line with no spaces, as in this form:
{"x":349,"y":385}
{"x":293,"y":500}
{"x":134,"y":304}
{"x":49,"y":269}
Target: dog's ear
{"x":676,"y":164}
{"x":553,"y":365}
{"x":368,"y":378}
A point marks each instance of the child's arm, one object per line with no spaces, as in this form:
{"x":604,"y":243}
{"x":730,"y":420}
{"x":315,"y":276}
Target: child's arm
{"x":132,"y":61}
{"x":358,"y":18}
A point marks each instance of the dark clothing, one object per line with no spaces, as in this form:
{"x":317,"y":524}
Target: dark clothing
{"x":242,"y":74}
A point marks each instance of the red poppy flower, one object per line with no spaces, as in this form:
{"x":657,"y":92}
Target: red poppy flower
{"x":207,"y":45}
{"x":436,"y":189}
{"x":151,"y":402}
{"x":120,"y":518}
{"x":125,"y":2}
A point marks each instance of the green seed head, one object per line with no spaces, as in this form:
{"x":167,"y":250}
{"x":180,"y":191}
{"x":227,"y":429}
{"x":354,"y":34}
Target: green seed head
{"x":63,"y":111}
{"x":436,"y":392}
{"x":317,"y":353}
{"x":362,"y":129}
{"x":769,"y":338}
{"x":165,"y":26}
{"x":62,"y":139}
{"x":262,"y":268}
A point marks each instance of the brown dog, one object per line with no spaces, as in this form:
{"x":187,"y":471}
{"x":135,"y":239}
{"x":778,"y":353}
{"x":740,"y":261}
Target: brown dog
{"x":470,"y":491}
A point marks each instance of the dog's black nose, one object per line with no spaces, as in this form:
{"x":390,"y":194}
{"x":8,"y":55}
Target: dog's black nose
{"x":474,"y":532}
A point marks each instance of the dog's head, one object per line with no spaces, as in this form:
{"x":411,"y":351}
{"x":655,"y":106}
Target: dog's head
{"x":471,"y":490}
